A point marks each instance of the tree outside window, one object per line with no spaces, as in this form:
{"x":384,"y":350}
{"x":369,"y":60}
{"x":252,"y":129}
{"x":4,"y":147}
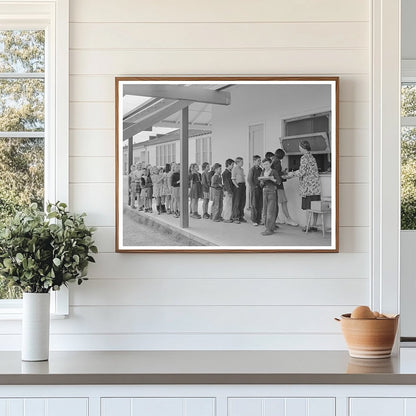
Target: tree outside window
{"x":408,"y":157}
{"x":22,"y":124}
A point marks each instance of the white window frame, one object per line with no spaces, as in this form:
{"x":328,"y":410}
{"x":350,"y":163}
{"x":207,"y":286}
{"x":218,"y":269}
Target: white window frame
{"x":385,"y":164}
{"x":53,"y":17}
{"x":199,"y":142}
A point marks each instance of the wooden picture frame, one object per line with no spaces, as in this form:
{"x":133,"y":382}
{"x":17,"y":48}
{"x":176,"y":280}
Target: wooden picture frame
{"x":188,"y":119}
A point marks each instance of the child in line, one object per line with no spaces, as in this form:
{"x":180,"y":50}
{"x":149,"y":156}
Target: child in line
{"x":205,"y":189}
{"x":256,"y":192}
{"x":281,"y":194}
{"x":229,"y":189}
{"x":268,"y":180}
{"x":176,"y":190}
{"x":239,"y":197}
{"x":157,"y":181}
{"x":195,"y":182}
{"x":169,"y":168}
{"x":134,"y":185}
{"x":217,"y":193}
{"x":164,"y":190}
{"x":210,"y":175}
{"x":147,"y":190}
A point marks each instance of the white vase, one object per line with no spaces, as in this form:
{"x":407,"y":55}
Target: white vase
{"x":35,"y":326}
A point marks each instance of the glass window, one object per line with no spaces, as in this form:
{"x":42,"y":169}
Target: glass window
{"x":34,"y":83}
{"x":198,"y":153}
{"x":408,"y":106}
{"x":315,"y":128}
{"x":157,"y":155}
{"x":408,"y":157}
{"x":22,"y":124}
{"x":203,"y":152}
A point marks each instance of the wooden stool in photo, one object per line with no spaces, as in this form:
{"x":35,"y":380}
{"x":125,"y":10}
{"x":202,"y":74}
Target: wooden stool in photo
{"x":321,"y":208}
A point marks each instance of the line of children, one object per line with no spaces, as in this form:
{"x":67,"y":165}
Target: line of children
{"x":147,"y":183}
{"x":226,"y":190}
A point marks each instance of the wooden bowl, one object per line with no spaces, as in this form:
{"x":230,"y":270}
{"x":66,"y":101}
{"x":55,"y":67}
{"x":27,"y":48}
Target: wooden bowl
{"x":369,"y":338}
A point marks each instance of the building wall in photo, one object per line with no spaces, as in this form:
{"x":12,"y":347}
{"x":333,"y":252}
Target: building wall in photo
{"x":213,"y":301}
{"x":267,"y":106}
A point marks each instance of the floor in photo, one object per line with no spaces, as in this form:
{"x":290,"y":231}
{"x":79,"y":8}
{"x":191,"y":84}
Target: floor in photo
{"x":215,"y":233}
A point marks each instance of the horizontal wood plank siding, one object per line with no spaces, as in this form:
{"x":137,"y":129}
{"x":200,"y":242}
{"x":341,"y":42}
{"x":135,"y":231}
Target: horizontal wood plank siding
{"x":219,"y":11}
{"x":293,"y":61}
{"x":217,"y":35}
{"x":224,"y":301}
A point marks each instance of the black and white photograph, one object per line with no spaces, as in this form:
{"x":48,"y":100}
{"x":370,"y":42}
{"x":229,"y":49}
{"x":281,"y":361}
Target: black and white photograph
{"x":227,"y":164}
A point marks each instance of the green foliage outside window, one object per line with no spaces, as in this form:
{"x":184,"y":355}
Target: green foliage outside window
{"x":21,"y":110}
{"x":408,"y":160}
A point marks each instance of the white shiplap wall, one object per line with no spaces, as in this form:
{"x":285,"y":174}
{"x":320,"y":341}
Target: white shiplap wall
{"x":261,"y":301}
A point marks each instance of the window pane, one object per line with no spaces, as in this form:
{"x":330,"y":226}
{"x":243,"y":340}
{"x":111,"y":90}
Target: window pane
{"x":22,"y":51}
{"x":198,"y":151}
{"x":21,"y":109}
{"x":312,"y":124}
{"x":21,"y":173}
{"x":21,"y":183}
{"x":22,"y":105}
{"x":408,"y":178}
{"x":408,"y":100}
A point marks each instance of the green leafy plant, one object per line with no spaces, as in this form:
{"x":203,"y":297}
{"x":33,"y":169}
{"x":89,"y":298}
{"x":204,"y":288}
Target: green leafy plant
{"x":42,"y":251}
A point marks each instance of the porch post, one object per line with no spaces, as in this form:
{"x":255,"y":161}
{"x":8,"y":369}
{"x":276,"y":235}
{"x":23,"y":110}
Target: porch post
{"x":184,"y":136}
{"x":130,"y":161}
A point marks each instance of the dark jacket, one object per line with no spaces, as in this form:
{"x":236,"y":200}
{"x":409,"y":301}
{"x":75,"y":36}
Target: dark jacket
{"x":277,"y":166}
{"x":253,"y":175}
{"x":205,"y":182}
{"x":175,"y":179}
{"x":227,"y":182}
{"x":146,"y":182}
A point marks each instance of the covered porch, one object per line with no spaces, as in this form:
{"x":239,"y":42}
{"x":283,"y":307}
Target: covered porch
{"x":168,"y":105}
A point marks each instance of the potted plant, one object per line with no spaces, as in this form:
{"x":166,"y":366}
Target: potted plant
{"x":40,"y":252}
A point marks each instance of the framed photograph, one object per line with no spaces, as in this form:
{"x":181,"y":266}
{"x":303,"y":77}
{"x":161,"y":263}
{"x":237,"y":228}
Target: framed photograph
{"x":227,"y":164}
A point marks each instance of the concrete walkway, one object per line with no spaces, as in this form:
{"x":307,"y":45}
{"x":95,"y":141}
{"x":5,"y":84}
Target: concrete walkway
{"x":207,"y":232}
{"x":137,"y":234}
